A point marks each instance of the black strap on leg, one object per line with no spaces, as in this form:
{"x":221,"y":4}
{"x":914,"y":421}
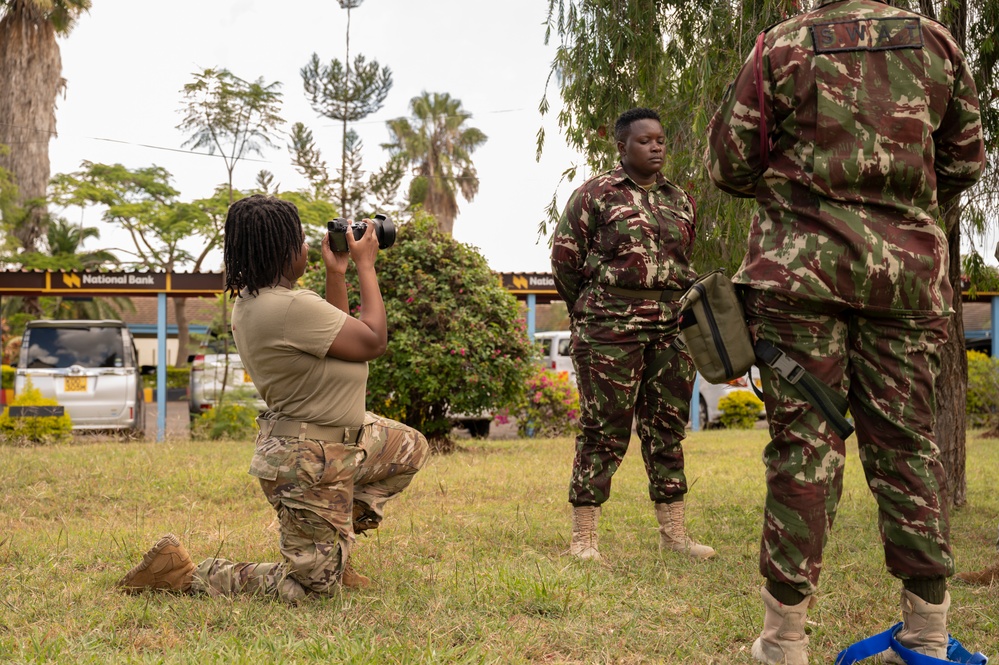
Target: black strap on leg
{"x":830,"y":404}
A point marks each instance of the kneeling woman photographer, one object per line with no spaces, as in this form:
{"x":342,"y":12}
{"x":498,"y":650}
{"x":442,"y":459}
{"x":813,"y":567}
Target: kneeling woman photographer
{"x":326,"y":465}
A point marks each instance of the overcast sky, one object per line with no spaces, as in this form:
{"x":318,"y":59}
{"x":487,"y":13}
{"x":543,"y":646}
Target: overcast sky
{"x":127,"y":60}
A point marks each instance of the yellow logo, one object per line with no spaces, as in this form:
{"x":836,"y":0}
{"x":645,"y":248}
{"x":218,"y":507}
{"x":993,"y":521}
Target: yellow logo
{"x":71,"y":280}
{"x":520,"y":282}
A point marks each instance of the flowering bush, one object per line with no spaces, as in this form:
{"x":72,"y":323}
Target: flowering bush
{"x":550,"y":406}
{"x":982,"y":406}
{"x":36,"y":429}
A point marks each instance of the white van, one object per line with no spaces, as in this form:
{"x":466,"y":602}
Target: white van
{"x":90,"y":368}
{"x":554,"y":345}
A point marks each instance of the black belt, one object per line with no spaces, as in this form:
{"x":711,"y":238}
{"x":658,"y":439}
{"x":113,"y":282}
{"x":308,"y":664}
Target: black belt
{"x":662,"y":295}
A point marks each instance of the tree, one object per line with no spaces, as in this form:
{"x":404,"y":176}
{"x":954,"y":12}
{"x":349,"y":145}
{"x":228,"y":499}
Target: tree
{"x":224,"y":113}
{"x":30,"y":80}
{"x":439,"y":146}
{"x":144,"y":203}
{"x":339,"y":93}
{"x":457,"y":341}
{"x":358,"y":197}
{"x":678,"y":56}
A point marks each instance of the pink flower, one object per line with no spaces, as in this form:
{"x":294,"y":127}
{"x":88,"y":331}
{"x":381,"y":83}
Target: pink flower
{"x":462,"y":352}
{"x":409,"y":299}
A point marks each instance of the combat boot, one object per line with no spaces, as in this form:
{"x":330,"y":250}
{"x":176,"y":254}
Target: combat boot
{"x":673,"y":534}
{"x":167,"y":565}
{"x":924,"y":628}
{"x":351,"y":579}
{"x":981,"y":577}
{"x":584,"y":532}
{"x":783,"y":640}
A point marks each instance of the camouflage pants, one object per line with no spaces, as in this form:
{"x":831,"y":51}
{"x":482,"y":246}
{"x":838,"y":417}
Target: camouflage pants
{"x":611,"y":346}
{"x":313,"y":486}
{"x":886,"y":366}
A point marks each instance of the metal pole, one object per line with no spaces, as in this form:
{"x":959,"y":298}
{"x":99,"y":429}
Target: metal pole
{"x":695,"y":404}
{"x":531,"y":305}
{"x":161,"y":366}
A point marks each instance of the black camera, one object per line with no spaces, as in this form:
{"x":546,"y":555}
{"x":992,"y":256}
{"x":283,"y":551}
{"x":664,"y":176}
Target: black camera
{"x":384,"y":231}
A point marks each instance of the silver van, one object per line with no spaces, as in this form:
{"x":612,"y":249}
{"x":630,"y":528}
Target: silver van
{"x":90,"y":368}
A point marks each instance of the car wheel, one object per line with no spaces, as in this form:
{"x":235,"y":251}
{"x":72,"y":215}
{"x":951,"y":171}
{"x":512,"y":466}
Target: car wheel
{"x":479,"y":429}
{"x":702,"y":415}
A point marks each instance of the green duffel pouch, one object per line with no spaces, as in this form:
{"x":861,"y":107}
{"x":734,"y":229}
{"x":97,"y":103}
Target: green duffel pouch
{"x":713,"y":329}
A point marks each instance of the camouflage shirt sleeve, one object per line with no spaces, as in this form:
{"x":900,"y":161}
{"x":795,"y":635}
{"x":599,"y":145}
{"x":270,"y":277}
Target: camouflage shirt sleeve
{"x":569,"y":247}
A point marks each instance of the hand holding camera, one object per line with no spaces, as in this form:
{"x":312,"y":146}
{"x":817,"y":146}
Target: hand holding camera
{"x":339,"y":227}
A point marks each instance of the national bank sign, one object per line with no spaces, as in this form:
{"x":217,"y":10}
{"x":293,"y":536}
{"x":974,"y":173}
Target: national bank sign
{"x":528,"y":282}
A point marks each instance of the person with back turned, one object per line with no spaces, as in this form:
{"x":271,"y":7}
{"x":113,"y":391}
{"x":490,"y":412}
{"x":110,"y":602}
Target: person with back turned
{"x":852,"y":125}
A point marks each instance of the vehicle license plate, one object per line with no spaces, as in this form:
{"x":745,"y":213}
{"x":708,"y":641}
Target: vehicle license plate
{"x":246,"y":377}
{"x":75,"y":384}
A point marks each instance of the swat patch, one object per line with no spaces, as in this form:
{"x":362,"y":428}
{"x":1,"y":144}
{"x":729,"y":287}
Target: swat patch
{"x":873,"y":34}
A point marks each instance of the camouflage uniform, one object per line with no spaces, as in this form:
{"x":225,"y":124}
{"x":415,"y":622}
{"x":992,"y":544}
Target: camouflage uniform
{"x":873,"y":123}
{"x":614,"y":233}
{"x":314,"y":486}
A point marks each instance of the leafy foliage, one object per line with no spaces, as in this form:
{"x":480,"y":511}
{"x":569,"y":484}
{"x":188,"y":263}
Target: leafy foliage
{"x":228,"y":115}
{"x":740,"y":409}
{"x":549,"y":407}
{"x":457,"y":342}
{"x":7,"y":377}
{"x":982,"y":406}
{"x":229,"y":421}
{"x":34,"y":430}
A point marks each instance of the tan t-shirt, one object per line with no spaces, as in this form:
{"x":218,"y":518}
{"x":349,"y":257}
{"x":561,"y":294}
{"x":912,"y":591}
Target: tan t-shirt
{"x":282,"y":336}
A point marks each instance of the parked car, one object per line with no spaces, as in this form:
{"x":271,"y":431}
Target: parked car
{"x":90,"y":368}
{"x":710,"y":395}
{"x":554,"y":346}
{"x":212,"y":372}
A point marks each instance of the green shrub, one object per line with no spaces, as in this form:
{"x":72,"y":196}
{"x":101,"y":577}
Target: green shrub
{"x":8,"y":377}
{"x":740,"y":409}
{"x":231,"y":421}
{"x":34,"y":430}
{"x":982,"y":407}
{"x":177,"y":377}
{"x":550,"y":406}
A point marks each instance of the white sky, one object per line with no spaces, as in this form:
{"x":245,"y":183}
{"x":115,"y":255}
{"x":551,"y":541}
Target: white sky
{"x":127,"y":60}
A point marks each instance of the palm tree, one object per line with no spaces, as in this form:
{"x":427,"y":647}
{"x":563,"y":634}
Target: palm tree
{"x":30,"y":79}
{"x":438,"y":146}
{"x":64,"y":240}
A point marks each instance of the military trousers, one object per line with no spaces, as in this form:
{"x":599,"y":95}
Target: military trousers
{"x":612,"y":344}
{"x":314,"y":486}
{"x":886,"y":365}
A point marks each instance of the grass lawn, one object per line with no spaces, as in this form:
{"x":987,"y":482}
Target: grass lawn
{"x":468,"y":565}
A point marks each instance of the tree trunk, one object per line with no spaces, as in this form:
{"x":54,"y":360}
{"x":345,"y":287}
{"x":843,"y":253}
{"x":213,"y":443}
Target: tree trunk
{"x":952,"y":384}
{"x":183,"y":332}
{"x":30,"y":81}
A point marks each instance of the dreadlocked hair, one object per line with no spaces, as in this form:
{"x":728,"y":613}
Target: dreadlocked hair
{"x":625,"y":119}
{"x":262,"y":236}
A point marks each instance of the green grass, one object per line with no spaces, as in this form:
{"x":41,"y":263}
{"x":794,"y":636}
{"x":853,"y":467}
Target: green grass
{"x":468,"y":565}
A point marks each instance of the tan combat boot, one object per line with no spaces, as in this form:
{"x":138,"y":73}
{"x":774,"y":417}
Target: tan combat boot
{"x":981,"y":577}
{"x":924,"y":628}
{"x":783,"y":640}
{"x":584,"y":532}
{"x":351,"y":579}
{"x":673,"y":534}
{"x":166,"y":566}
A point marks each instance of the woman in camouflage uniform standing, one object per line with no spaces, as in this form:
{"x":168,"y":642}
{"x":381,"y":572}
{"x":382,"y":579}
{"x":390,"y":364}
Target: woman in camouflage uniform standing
{"x":621,"y":261}
{"x":851,"y":125}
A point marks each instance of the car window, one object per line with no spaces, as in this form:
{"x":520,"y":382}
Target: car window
{"x":64,"y":347}
{"x":563,"y":346}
